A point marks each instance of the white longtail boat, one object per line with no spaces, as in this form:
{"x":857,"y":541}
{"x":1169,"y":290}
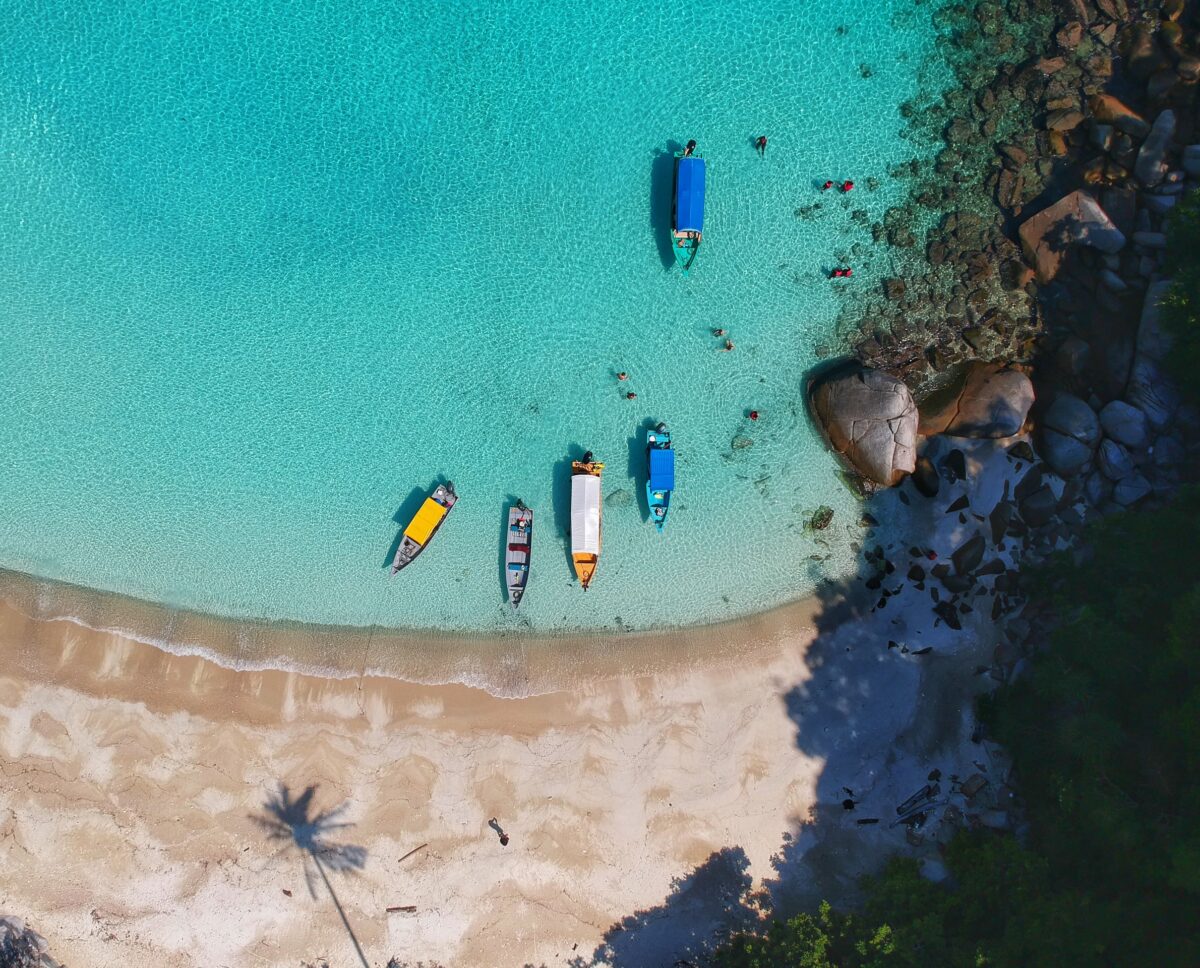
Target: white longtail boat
{"x":585,"y":517}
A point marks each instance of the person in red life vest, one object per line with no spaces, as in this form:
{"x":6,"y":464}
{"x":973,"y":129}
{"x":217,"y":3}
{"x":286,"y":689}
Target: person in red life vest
{"x":841,"y":273}
{"x":753,"y":414}
{"x":847,"y":187}
{"x":828,"y":185}
{"x":761,"y":145}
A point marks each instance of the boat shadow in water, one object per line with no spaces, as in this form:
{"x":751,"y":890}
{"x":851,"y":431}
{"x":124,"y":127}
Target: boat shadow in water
{"x":562,"y":501}
{"x":637,"y":469}
{"x":404,"y":514}
{"x":662,"y":187}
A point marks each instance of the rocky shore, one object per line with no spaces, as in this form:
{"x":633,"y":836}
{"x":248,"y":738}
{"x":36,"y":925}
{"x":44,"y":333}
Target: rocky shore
{"x":1034,"y":319}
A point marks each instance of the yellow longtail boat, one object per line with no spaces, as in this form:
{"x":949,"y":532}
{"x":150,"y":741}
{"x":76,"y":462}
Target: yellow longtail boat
{"x":424,"y":525}
{"x":585,"y":517}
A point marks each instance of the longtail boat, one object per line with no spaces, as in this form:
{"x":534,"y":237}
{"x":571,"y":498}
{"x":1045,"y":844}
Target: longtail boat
{"x":660,"y":478}
{"x":424,"y":525}
{"x":687,"y":213}
{"x":516,"y":554}
{"x":585,"y":517}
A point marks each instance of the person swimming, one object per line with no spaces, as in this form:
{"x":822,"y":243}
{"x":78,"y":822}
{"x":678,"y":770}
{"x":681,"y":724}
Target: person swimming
{"x":761,"y":145}
{"x":828,"y":185}
{"x":847,"y":187}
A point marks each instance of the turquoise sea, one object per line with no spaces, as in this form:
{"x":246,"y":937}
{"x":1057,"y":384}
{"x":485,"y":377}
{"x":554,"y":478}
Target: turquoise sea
{"x":269,"y":270}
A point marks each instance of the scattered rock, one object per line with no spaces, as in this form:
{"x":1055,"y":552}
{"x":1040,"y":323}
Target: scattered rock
{"x":1039,"y":507}
{"x":925,"y":478}
{"x":1131,"y":491}
{"x":1070,"y":434}
{"x":618,"y":499}
{"x":1151,"y":392}
{"x":870,"y":419}
{"x":1114,"y":460}
{"x":821,"y":518}
{"x":741,"y":443}
{"x":969,"y":555}
{"x":1108,"y":109}
{"x":1125,"y":424}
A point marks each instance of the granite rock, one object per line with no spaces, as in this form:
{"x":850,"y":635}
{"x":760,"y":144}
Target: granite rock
{"x":870,"y":419}
{"x":1125,"y":424}
{"x":1077,"y":219}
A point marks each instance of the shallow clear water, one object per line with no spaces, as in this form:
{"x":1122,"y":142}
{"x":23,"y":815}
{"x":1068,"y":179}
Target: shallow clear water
{"x":269,"y":273}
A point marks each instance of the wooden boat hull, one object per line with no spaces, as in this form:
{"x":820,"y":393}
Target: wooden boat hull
{"x":658,"y":491}
{"x":585,"y":568}
{"x":685,"y":253}
{"x":518,"y":551}
{"x":424,"y":525}
{"x":586,"y":521}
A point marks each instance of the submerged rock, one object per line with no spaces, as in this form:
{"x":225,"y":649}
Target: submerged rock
{"x":1150,"y":167}
{"x":870,"y":419}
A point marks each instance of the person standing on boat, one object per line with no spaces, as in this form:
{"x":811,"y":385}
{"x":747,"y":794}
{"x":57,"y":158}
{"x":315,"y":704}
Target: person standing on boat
{"x":761,"y":145}
{"x":691,"y":147}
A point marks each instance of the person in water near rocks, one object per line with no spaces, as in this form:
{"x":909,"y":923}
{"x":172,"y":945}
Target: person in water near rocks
{"x":847,"y":187}
{"x":631,"y":395}
{"x":728,"y":345}
{"x":753,"y":414}
{"x":761,"y":145}
{"x":718,"y":332}
{"x":691,"y":146}
{"x":622,"y":376}
{"x":841,"y":273}
{"x":828,"y":185}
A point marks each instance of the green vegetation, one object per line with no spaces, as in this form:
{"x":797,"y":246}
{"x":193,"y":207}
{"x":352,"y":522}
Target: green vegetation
{"x":1183,"y":304}
{"x":1104,"y":731}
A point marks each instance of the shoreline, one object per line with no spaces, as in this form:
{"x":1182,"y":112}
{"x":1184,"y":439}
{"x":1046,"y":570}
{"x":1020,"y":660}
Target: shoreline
{"x":511,"y":666}
{"x":145,"y":781}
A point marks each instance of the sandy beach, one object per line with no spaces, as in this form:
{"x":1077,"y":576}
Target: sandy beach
{"x":163,"y":809}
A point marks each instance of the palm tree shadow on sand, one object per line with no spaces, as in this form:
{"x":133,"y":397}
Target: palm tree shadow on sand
{"x":291,"y":821}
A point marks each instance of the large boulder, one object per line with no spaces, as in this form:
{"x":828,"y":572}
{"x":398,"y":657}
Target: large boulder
{"x":1150,"y":166}
{"x":870,"y":419}
{"x":990,"y":400}
{"x":1070,"y":434}
{"x":1077,"y":219}
{"x":1151,"y":391}
{"x":1114,"y":460}
{"x":1132,"y":490}
{"x":1107,"y":109}
{"x":1125,"y":424}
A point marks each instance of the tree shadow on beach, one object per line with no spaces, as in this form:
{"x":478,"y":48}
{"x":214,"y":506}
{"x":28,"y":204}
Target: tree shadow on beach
{"x":294,"y":823}
{"x":689,"y":925}
{"x":884,"y":705}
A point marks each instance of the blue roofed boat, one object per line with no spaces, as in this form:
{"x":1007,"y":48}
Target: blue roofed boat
{"x":660,"y":481}
{"x":687,"y":215}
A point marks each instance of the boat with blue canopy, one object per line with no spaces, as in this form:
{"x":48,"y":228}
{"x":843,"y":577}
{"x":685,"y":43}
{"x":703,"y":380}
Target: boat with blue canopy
{"x":660,"y":479}
{"x":687,"y":214}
